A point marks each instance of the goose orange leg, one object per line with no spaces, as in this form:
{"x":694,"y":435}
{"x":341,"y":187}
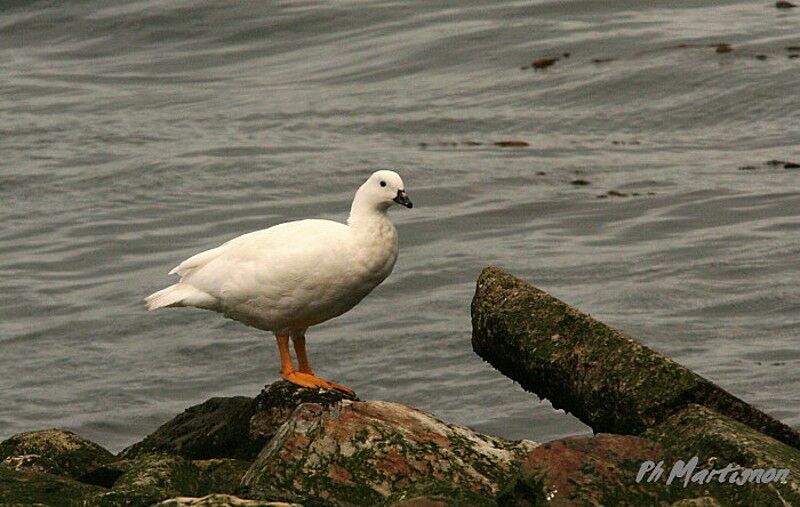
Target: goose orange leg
{"x":305,"y":377}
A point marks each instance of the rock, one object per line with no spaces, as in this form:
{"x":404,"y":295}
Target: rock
{"x":218,"y":428}
{"x":221,"y":475}
{"x":23,"y":487}
{"x":700,"y":431}
{"x":55,"y":451}
{"x":782,"y":4}
{"x":33,"y":463}
{"x":580,"y":182}
{"x":607,"y":379}
{"x":275,"y":404}
{"x":221,"y":501}
{"x":235,"y":428}
{"x":152,"y":478}
{"x":363,"y":453}
{"x":599,"y":470}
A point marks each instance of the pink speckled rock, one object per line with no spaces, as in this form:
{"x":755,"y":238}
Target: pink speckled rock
{"x":361,"y":453}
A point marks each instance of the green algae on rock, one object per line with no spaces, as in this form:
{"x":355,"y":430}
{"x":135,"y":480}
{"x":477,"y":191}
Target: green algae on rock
{"x":276,"y":403}
{"x":719,"y":441}
{"x":151,"y":479}
{"x":363,"y":453}
{"x":605,"y":378}
{"x":57,"y":451}
{"x":24,"y":487}
{"x":221,"y":475}
{"x":217,"y":428}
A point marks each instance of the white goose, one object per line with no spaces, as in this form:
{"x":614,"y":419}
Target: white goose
{"x":294,"y":275}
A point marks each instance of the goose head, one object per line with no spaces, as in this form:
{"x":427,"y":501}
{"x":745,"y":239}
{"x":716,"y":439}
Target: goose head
{"x":382,"y":190}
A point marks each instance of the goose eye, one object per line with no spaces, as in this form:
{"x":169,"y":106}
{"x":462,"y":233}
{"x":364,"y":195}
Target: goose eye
{"x":383,"y":183}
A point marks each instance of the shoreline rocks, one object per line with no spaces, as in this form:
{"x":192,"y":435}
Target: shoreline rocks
{"x":291,"y":446}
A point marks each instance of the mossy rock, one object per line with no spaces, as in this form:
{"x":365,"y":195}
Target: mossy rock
{"x":33,"y":463}
{"x":276,"y":402}
{"x":604,"y":377}
{"x":217,"y":428}
{"x":56,"y":451}
{"x":718,"y":441}
{"x":582,"y":470}
{"x":151,"y":479}
{"x":22,"y":487}
{"x":363,"y":453}
{"x":237,"y":427}
{"x":222,"y":476}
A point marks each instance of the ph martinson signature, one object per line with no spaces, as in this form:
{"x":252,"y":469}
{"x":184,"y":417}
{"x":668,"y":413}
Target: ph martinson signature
{"x":732,"y":474}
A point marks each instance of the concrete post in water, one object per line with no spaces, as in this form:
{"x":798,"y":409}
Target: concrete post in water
{"x":605,"y":378}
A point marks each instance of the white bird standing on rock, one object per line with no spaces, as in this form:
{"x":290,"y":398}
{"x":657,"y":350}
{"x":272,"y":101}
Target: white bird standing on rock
{"x":294,"y":275}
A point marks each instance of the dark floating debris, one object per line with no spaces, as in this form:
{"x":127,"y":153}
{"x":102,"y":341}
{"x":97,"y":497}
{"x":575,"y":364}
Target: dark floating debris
{"x":472,"y":143}
{"x":782,"y":4}
{"x":784,"y":163}
{"x":566,"y":55}
{"x":632,"y":141}
{"x":723,"y":47}
{"x":619,"y":193}
{"x":580,"y":182}
{"x":541,"y":173}
{"x":511,"y":144}
{"x":719,"y":47}
{"x":773,"y":163}
{"x":543,"y":63}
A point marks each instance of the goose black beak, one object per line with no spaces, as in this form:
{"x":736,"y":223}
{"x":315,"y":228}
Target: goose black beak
{"x":402,"y":198}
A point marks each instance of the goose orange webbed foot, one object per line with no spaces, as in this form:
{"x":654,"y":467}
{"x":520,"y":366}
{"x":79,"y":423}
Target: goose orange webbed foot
{"x":314,"y":382}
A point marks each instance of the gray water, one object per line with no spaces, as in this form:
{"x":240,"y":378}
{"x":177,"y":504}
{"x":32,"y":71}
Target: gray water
{"x":134,"y":134}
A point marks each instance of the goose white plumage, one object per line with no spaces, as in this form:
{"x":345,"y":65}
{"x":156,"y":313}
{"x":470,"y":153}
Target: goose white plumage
{"x":294,"y":275}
